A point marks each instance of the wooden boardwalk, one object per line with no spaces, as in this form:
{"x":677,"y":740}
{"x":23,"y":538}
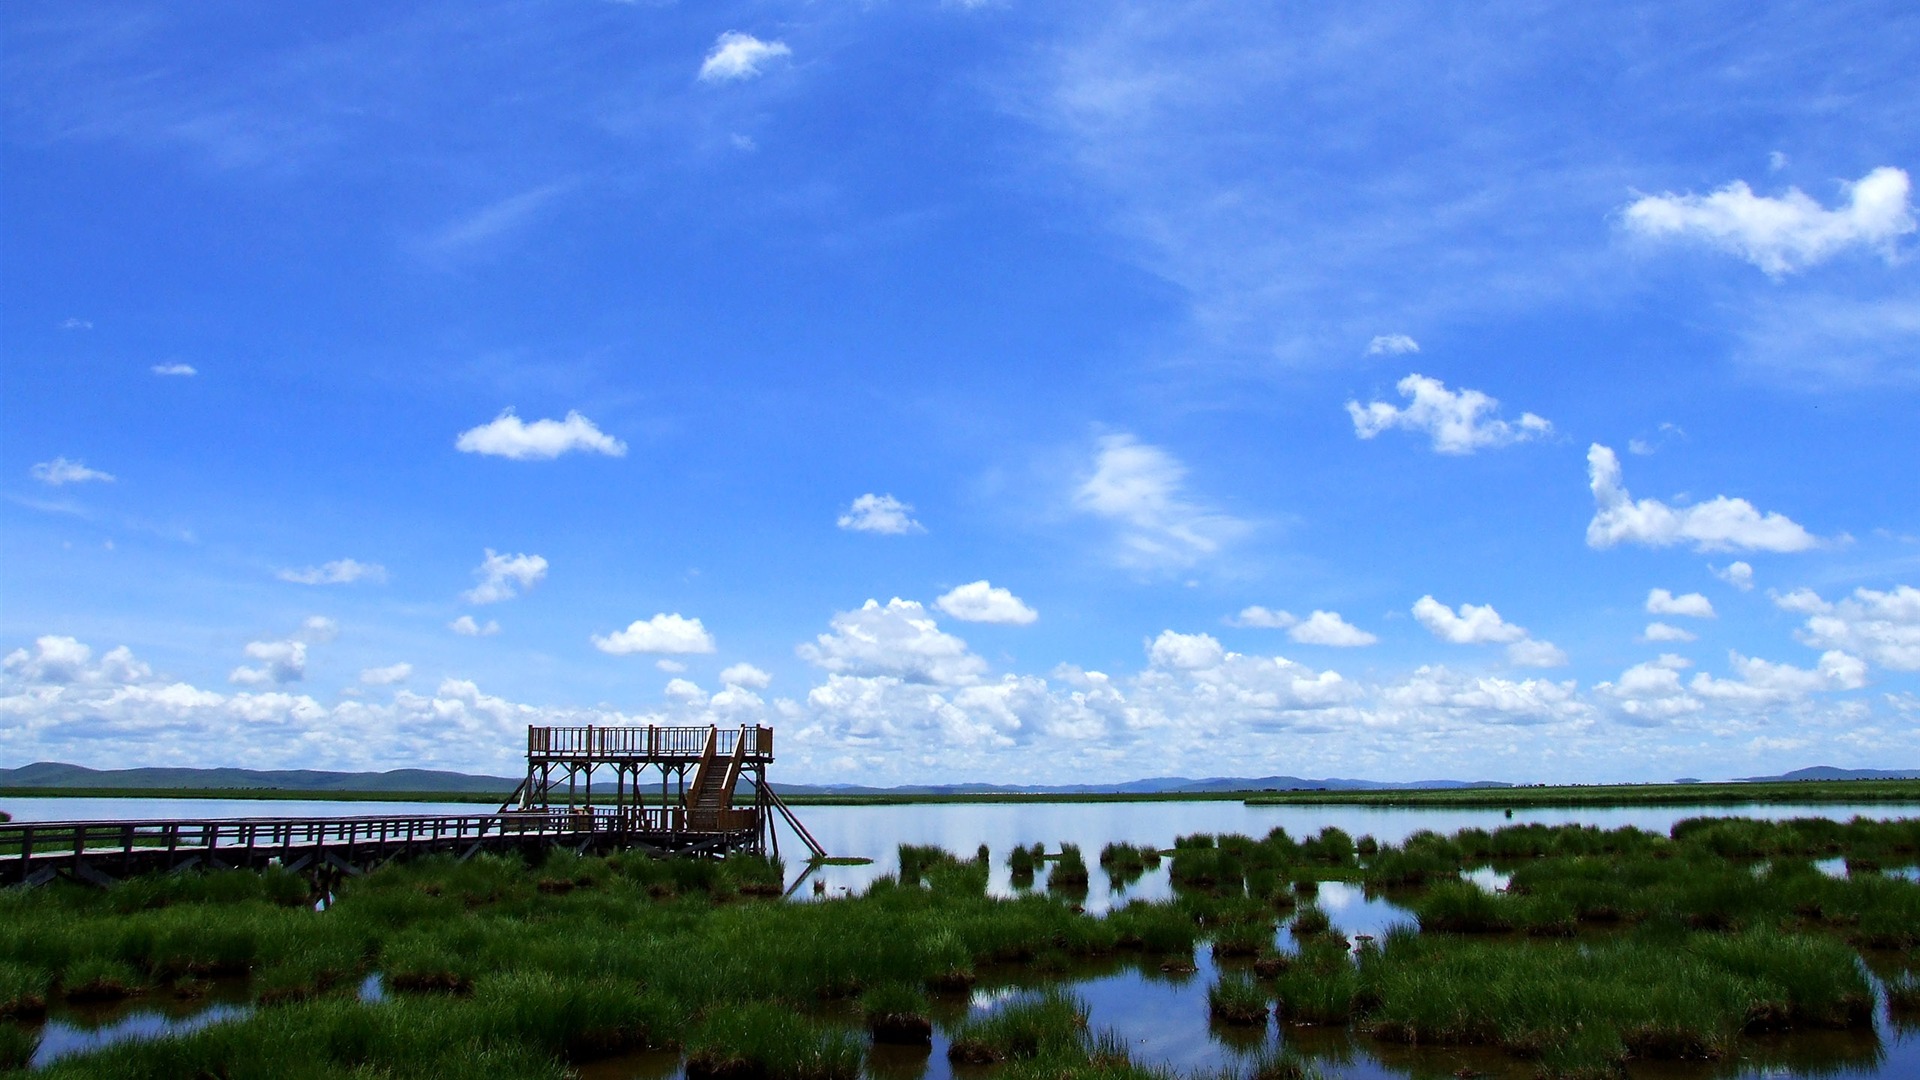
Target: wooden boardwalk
{"x":554,"y":806}
{"x":101,"y":852}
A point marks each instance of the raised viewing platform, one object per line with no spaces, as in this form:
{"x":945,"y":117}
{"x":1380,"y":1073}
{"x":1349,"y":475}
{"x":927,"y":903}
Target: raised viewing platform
{"x":671,"y":745}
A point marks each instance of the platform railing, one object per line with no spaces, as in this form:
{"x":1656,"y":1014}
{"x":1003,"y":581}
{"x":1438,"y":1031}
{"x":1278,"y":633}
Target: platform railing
{"x":673,"y":743}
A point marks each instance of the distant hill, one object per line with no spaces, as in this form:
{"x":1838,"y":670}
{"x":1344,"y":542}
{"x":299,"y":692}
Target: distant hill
{"x":1828,"y":772}
{"x":53,"y":774}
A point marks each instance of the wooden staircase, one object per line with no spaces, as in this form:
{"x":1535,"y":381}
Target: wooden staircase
{"x":711,"y":795}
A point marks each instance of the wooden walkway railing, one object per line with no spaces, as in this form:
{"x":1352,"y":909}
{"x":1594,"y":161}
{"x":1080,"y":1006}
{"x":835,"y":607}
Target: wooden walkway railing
{"x":102,"y":850}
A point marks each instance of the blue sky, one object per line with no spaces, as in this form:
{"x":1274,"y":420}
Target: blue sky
{"x":972,"y":391}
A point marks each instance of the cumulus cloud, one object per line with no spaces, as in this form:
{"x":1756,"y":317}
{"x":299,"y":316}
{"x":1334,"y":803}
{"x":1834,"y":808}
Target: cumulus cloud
{"x":1719,"y":524}
{"x":54,"y":659}
{"x":1788,"y":233}
{"x":284,"y":661}
{"x":746,"y":675}
{"x":1659,"y":631}
{"x":1261,"y":618}
{"x":1458,"y":422}
{"x":882,"y":514}
{"x":1392,"y":345}
{"x":980,"y":601}
{"x":1473,"y":624}
{"x":1319,"y":628}
{"x":899,"y":640}
{"x":508,"y":436}
{"x":1185,"y":652}
{"x":736,"y":56}
{"x":503,"y":577}
{"x":337,"y":572}
{"x":1328,"y":628}
{"x":467,"y":626}
{"x":671,"y":634}
{"x":180,"y":370}
{"x":1737,"y":574}
{"x":1882,"y":625}
{"x":61,"y":471}
{"x":1141,"y":489}
{"x":387,"y":676}
{"x":280,"y":662}
{"x":671,"y":667}
{"x":1691,"y":605}
{"x":1480,"y":624}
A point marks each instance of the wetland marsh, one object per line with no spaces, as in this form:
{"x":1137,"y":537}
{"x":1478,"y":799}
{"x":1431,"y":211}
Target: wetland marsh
{"x":1356,"y":943}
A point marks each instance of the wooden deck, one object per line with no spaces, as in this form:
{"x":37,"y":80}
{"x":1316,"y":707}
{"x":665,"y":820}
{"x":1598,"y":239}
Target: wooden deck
{"x":103,"y":851}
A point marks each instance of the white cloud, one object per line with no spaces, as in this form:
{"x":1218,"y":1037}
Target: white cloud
{"x":1392,"y":345}
{"x":1458,"y":422}
{"x":183,"y":370}
{"x":980,"y":601}
{"x":503,"y":577}
{"x":686,"y":691}
{"x":1185,"y":652}
{"x":61,"y":471}
{"x":1529,"y":652}
{"x":284,"y":661}
{"x":337,"y":572}
{"x":1659,"y":631}
{"x":1776,"y":160}
{"x":1482,"y":699}
{"x":744,"y":674}
{"x":466,"y":626}
{"x":1719,"y":524}
{"x":737,"y":56}
{"x":1650,"y":692}
{"x":663,"y":633}
{"x":280,"y":662}
{"x":898,"y":641}
{"x":880,"y":514}
{"x":671,"y":667}
{"x":1883,"y":626}
{"x":1737,"y":574}
{"x":1260,"y":618}
{"x":387,"y":676}
{"x":1788,"y":233}
{"x":54,"y":659}
{"x":1691,"y":605}
{"x":508,"y":436}
{"x":1475,"y":624}
{"x":1480,"y":624}
{"x":1140,"y":487}
{"x":76,"y":324}
{"x":1328,"y":628}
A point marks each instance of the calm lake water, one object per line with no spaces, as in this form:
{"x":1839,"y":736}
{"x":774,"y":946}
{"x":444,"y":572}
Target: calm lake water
{"x":1163,"y":1015}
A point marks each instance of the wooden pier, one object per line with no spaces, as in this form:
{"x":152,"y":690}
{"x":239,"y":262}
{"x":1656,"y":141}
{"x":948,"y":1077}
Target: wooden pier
{"x":553,"y":806}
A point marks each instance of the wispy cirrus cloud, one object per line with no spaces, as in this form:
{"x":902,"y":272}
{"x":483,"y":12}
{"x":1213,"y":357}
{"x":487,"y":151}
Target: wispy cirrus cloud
{"x":337,"y":572}
{"x":736,"y":56}
{"x":61,"y":471}
{"x":1142,"y":490}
